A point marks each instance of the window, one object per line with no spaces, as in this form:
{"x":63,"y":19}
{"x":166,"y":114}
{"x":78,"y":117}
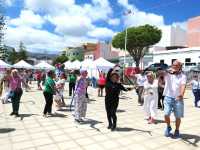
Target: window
{"x":187,"y":60}
{"x":162,"y":61}
{"x":173,"y":60}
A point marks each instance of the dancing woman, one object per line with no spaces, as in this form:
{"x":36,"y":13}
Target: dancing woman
{"x":113,"y":88}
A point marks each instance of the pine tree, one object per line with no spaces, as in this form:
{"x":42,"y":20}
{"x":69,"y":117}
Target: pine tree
{"x":2,"y":24}
{"x":22,"y":54}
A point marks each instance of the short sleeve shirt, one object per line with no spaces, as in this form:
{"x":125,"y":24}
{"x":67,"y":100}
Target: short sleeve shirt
{"x":173,"y":83}
{"x":49,"y":85}
{"x":195,"y":84}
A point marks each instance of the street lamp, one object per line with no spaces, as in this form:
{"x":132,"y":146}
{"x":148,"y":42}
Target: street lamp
{"x":126,"y":13}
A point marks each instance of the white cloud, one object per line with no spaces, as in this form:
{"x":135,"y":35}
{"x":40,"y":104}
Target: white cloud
{"x":71,"y":25}
{"x":101,"y":33}
{"x":28,"y":18}
{"x":142,"y":18}
{"x":41,"y":40}
{"x":114,"y":21}
{"x":70,"y":18}
{"x":8,"y":2}
{"x":48,"y":6}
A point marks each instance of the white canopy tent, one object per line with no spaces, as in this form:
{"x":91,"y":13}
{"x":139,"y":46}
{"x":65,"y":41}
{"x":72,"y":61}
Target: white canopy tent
{"x":87,"y":64}
{"x":4,"y":65}
{"x":75,"y":65}
{"x":23,"y":64}
{"x":44,"y":65}
{"x":102,"y":64}
{"x":67,"y":64}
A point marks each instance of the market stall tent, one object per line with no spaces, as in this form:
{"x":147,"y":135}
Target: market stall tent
{"x":75,"y":65}
{"x":44,"y":65}
{"x":23,"y":64}
{"x":103,"y":64}
{"x":67,"y":64}
{"x":4,"y":64}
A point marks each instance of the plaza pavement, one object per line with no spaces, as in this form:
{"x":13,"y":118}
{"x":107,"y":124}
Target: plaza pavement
{"x":33,"y":132}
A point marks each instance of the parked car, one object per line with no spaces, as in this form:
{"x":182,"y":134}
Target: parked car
{"x":157,"y":66}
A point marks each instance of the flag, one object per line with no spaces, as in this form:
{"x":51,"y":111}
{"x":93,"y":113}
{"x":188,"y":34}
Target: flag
{"x":128,"y":12}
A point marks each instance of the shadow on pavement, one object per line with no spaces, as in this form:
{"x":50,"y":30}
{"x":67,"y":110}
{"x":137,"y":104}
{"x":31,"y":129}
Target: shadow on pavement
{"x":22,"y":116}
{"x":191,"y":139}
{"x":120,"y":111}
{"x":124,"y":97}
{"x":159,"y":121}
{"x":6,"y":130}
{"x":125,"y":129}
{"x":58,"y":115}
{"x":92,"y":123}
{"x":66,"y":109}
{"x":32,"y":102}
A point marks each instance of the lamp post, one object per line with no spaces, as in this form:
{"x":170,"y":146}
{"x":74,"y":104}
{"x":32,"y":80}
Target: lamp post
{"x":126,"y":13}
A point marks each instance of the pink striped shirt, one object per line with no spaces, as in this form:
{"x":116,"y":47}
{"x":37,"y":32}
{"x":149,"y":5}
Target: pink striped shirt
{"x":15,"y":82}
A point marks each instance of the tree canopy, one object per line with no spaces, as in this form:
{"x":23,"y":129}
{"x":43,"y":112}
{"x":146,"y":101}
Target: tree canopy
{"x":22,"y":54}
{"x":60,"y":59}
{"x":139,"y":39}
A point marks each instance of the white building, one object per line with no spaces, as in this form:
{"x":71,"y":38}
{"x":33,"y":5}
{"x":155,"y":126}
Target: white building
{"x":172,"y":36}
{"x":188,"y":56}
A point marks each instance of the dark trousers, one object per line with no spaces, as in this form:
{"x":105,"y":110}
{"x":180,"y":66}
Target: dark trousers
{"x":71,"y":88}
{"x":160,"y":100}
{"x":86,"y":94}
{"x":111,"y":109}
{"x":49,"y":101}
{"x":140,"y":95}
{"x":196,"y":93}
{"x":15,"y":98}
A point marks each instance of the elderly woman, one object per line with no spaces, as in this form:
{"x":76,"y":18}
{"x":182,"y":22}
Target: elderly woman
{"x":150,"y":97}
{"x":80,"y":99}
{"x":15,"y":84}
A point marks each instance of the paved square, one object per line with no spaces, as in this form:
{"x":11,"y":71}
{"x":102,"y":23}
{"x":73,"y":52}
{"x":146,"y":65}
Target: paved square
{"x":33,"y":132}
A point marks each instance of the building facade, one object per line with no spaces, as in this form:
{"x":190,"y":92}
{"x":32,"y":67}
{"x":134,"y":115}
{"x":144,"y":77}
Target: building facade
{"x":193,"y":32}
{"x":74,"y":53}
{"x":101,"y":49}
{"x":188,"y":56}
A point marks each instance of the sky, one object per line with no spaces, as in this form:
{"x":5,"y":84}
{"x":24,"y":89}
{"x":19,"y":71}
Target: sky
{"x":52,"y":25}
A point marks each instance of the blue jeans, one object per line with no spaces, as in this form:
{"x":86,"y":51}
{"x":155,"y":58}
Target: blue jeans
{"x":173,"y":105}
{"x":196,"y":93}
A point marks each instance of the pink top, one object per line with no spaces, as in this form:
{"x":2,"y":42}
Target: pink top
{"x":15,"y":82}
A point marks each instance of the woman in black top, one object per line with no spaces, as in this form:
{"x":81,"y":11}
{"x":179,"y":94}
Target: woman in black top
{"x":113,"y":88}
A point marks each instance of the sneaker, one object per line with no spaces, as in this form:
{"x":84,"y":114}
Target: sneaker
{"x":177,"y":134}
{"x":12,"y":113}
{"x":109,"y":127}
{"x":151,"y":121}
{"x":17,"y":115}
{"x":167,"y":131}
{"x":45,"y":116}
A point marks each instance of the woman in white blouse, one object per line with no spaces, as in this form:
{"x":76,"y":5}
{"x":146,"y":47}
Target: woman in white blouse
{"x":151,"y":97}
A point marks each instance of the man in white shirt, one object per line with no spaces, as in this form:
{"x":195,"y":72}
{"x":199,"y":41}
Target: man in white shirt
{"x":175,"y":82}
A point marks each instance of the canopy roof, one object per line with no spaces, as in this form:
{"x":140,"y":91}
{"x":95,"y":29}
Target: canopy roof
{"x":75,"y":65}
{"x":23,"y":64}
{"x":44,"y":65}
{"x":67,"y":64}
{"x":87,"y":64}
{"x":4,"y":65}
{"x":102,"y":63}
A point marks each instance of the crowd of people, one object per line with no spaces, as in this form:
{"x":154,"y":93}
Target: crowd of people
{"x":161,"y":90}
